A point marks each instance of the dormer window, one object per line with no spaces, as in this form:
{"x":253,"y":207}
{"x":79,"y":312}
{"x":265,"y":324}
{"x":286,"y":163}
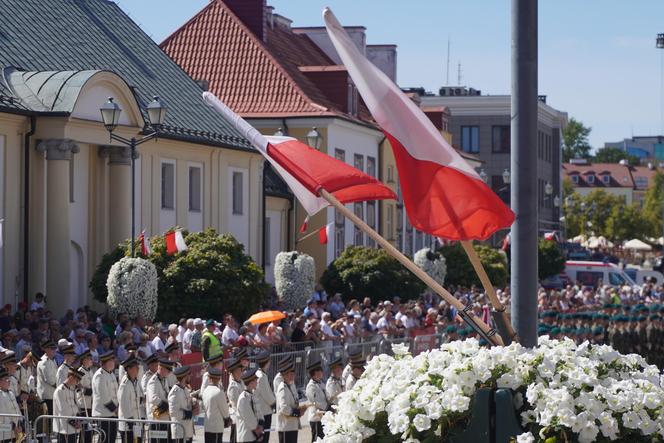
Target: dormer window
{"x":575,"y":179}
{"x":591,"y":179}
{"x":606,"y":179}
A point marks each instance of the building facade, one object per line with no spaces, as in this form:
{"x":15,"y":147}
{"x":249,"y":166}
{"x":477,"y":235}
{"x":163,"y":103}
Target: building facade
{"x":644,"y":147}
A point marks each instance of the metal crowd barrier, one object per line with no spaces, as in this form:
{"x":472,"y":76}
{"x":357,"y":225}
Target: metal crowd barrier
{"x":92,"y":430}
{"x":7,"y":430}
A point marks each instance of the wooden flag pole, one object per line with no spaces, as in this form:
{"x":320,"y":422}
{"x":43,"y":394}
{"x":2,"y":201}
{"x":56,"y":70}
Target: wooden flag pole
{"x":504,"y":326}
{"x":304,"y":237}
{"x":464,"y":311}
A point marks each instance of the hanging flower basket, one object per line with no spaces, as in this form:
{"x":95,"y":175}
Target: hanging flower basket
{"x":132,"y":288}
{"x":294,"y":277}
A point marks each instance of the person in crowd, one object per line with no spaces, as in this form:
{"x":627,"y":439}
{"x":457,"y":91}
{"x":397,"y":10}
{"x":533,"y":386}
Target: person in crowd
{"x":105,"y":395}
{"x":235,"y":388}
{"x":197,"y":335}
{"x":156,"y":398}
{"x":335,"y":384}
{"x":64,"y":404}
{"x":317,"y":399}
{"x":288,"y":405}
{"x":152,"y":364}
{"x":215,"y":406}
{"x":47,"y":375}
{"x":130,"y":400}
{"x":181,"y":406}
{"x":69,"y":357}
{"x":249,"y":422}
{"x":264,"y":397}
{"x":211,"y":345}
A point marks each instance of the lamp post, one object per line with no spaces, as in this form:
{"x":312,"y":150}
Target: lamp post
{"x":110,"y":115}
{"x":314,"y":139}
{"x":659,"y":43}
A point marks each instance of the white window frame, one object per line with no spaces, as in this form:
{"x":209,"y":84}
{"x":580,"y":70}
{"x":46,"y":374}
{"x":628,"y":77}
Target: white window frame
{"x":591,"y":179}
{"x":234,"y":209}
{"x":173,"y":164}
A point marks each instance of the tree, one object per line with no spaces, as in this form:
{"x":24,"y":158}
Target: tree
{"x":214,"y":276}
{"x":369,"y":272}
{"x":652,"y":205}
{"x":550,"y":259}
{"x":614,"y":155}
{"x":627,"y":222}
{"x":460,"y":271}
{"x":575,"y":140}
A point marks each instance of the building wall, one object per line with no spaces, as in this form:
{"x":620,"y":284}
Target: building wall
{"x":277,"y":211}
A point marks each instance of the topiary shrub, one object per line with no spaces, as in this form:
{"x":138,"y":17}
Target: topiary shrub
{"x":294,"y":278}
{"x":132,"y":288}
{"x":433,"y":263}
{"x":460,"y":271}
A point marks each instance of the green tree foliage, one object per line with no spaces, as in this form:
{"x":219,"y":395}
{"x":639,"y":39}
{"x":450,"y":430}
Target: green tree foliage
{"x":575,"y":140}
{"x":652,"y":205}
{"x":460,"y":271}
{"x":614,"y":155}
{"x":368,"y":272}
{"x":550,"y":259}
{"x":214,"y":276}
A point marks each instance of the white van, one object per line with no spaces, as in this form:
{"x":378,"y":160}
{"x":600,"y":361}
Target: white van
{"x":591,"y":273}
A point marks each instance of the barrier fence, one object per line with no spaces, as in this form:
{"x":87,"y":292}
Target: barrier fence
{"x":9,"y":430}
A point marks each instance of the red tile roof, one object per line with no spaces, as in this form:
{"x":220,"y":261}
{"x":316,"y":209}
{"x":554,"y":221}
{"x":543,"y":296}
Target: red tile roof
{"x":253,"y":77}
{"x":620,"y":176}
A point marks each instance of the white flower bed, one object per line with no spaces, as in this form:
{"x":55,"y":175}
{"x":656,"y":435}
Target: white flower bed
{"x":294,"y":278}
{"x":573,"y":393}
{"x":132,"y":288}
{"x":432,"y":263}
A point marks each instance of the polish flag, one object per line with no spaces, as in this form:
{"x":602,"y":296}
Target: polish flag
{"x":175,"y":242}
{"x":443,"y":194}
{"x":506,"y":242}
{"x":305,"y":225}
{"x":325,"y":233}
{"x":146,"y":250}
{"x":306,"y":170}
{"x":551,"y":236}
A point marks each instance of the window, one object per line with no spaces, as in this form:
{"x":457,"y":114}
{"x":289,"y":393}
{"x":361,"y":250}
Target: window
{"x":358,"y":161}
{"x":408,"y":246}
{"x":194,"y":188}
{"x":371,"y":166}
{"x":371,"y":221}
{"x":358,"y":238}
{"x":641,"y":182}
{"x":237,"y":193}
{"x":167,"y":185}
{"x":589,"y":278}
{"x":400,"y":226}
{"x":500,"y":139}
{"x":606,"y":179}
{"x":390,"y":174}
{"x":268,"y":242}
{"x":470,"y":139}
{"x":389,"y":223}
{"x":591,"y":179}
{"x":575,"y":178}
{"x":339,"y":233}
{"x":340,"y":154}
{"x":616,"y":279}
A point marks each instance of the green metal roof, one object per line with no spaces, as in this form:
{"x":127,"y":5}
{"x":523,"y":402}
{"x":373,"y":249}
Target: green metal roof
{"x":55,"y":45}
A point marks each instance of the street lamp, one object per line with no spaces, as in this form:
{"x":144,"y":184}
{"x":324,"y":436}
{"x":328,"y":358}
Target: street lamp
{"x":506,"y":176}
{"x":556,"y":201}
{"x":483,"y":176}
{"x":314,"y":139}
{"x":110,"y":115}
{"x":279,"y":133}
{"x":548,"y":188}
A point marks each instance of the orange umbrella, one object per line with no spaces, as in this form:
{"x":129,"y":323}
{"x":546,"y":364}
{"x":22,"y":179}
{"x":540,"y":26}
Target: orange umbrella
{"x":266,"y":317}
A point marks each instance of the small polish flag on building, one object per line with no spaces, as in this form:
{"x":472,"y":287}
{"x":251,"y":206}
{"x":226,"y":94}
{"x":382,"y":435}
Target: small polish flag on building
{"x":305,"y":225}
{"x":325,"y":233}
{"x":146,"y":250}
{"x":175,"y":242}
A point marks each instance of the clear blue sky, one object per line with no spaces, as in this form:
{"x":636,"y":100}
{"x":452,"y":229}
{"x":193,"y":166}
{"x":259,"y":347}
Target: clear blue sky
{"x":598,"y":59}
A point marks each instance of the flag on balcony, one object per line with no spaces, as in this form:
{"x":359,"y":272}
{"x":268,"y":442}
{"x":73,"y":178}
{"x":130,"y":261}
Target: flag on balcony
{"x":306,"y":170}
{"x":146,"y":250}
{"x":325,"y":233}
{"x":444,"y":196}
{"x":175,"y":242}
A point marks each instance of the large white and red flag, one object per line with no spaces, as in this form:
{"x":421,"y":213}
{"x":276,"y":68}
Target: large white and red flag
{"x":306,"y":170}
{"x":443,"y":194}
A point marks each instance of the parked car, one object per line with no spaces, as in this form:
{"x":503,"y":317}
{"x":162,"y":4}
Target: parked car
{"x":640,"y":276}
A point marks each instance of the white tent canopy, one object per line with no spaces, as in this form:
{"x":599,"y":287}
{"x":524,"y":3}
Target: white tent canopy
{"x":637,"y":245}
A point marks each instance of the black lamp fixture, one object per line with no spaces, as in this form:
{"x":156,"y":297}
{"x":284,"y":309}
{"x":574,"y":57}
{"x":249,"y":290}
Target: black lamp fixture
{"x":110,"y":114}
{"x":507,"y":176}
{"x":483,"y":175}
{"x":314,"y":139}
{"x":548,"y":188}
{"x":157,"y":113}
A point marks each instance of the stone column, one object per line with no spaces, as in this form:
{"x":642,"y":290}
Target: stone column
{"x":58,"y":156}
{"x":119,"y":188}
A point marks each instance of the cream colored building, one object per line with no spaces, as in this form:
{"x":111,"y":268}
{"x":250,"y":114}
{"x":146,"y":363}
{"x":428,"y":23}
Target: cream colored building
{"x":65,"y":188}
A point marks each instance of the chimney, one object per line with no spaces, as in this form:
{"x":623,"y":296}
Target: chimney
{"x":253,"y":14}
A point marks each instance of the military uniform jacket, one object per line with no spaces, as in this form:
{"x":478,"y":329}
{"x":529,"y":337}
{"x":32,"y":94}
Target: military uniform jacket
{"x":145,"y":379}
{"x":215,"y":408}
{"x":130,"y":399}
{"x":122,"y":373}
{"x":287,"y":402}
{"x":46,"y":378}
{"x":263,"y":396}
{"x":13,"y":385}
{"x":235,"y":388}
{"x":64,"y":403}
{"x":348,"y":369}
{"x":24,"y":383}
{"x":104,"y":394}
{"x":333,"y":388}
{"x":350,"y":382}
{"x":278,"y":380}
{"x":316,"y":396}
{"x":247,"y":417}
{"x":156,"y":396}
{"x":61,"y":374}
{"x":8,"y":405}
{"x":84,"y":393}
{"x":180,"y":410}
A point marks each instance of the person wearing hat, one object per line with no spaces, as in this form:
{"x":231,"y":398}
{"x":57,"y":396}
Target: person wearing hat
{"x":335,"y":384}
{"x":235,"y":388}
{"x":288,"y":406}
{"x":263,"y":395}
{"x":317,"y":398}
{"x":156,"y":404}
{"x":173,"y":351}
{"x":356,"y":372}
{"x":69,"y":356}
{"x":181,"y":406}
{"x":160,"y":342}
{"x":130,"y":400}
{"x":26,"y":375}
{"x":215,"y":406}
{"x":216,"y":362}
{"x":352,"y":356}
{"x":242,"y":355}
{"x":85,"y":392}
{"x":9,"y":362}
{"x":249,"y":421}
{"x":279,"y":378}
{"x":64,"y":404}
{"x":47,"y":375}
{"x":210,"y":344}
{"x":8,"y":405}
{"x":152,"y":362}
{"x":105,"y":395}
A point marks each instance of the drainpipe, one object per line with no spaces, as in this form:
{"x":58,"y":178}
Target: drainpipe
{"x":263,"y":224}
{"x":26,"y":204}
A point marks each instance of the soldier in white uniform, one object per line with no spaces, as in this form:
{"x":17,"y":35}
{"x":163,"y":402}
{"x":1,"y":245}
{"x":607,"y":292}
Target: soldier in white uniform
{"x":263,"y":395}
{"x":130,"y":399}
{"x":26,"y":375}
{"x":64,"y":404}
{"x":279,"y":378}
{"x":131,"y":350}
{"x":288,"y":406}
{"x":84,"y":391}
{"x":8,"y":405}
{"x":47,"y":375}
{"x":356,"y":355}
{"x":357,"y":369}
{"x":215,"y":407}
{"x":152,"y":363}
{"x":156,"y":398}
{"x":335,"y":384}
{"x":249,"y":422}
{"x":9,"y":362}
{"x":181,"y":406}
{"x":216,"y":362}
{"x":235,"y":388}
{"x":69,"y":355}
{"x":105,"y":395}
{"x":318,"y":399}
{"x":173,"y":351}
{"x":242,"y":355}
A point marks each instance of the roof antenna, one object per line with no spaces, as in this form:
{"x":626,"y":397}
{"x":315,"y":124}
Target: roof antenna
{"x":459,"y":74}
{"x":447,"y":78}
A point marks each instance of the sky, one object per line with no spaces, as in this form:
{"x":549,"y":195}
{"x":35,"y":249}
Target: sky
{"x":597,"y":58}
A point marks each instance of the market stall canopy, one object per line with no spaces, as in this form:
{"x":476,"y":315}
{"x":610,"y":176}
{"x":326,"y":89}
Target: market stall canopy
{"x":637,"y":245}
